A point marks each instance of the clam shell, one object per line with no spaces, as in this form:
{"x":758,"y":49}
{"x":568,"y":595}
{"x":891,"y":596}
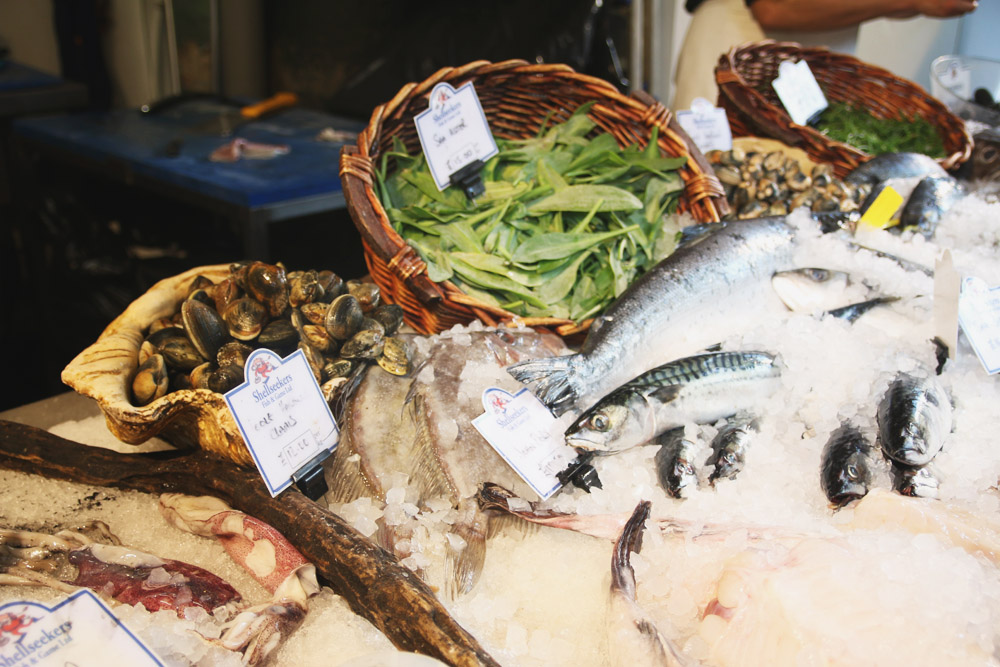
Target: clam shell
{"x":344,"y":317}
{"x":186,"y":418}
{"x":204,"y":326}
{"x":245,"y":318}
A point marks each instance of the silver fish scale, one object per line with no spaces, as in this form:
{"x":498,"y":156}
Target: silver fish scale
{"x":700,"y":367}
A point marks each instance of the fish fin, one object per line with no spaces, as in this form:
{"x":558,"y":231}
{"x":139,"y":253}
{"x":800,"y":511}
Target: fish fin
{"x":465,"y":565}
{"x":555,"y":377}
{"x":510,"y":524}
{"x":344,"y":476}
{"x":666,"y":394}
{"x":426,"y":471}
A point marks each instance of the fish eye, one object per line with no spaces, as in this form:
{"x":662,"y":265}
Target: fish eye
{"x":819,"y":275}
{"x":852,"y":471}
{"x":729,"y":457}
{"x":600,"y":422}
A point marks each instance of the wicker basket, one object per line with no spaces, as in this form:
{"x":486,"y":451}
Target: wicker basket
{"x":744,"y":77}
{"x":517,"y":97}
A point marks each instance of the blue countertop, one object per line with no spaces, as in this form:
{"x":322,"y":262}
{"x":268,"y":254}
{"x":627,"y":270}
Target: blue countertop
{"x":172,"y":147}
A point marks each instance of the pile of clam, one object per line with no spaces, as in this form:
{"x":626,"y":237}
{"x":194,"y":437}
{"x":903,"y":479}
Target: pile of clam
{"x":338,"y":325}
{"x":772,"y":183}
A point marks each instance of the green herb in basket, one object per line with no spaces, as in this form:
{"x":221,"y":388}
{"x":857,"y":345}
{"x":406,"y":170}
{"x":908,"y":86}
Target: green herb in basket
{"x":858,"y":128}
{"x":566,"y":221}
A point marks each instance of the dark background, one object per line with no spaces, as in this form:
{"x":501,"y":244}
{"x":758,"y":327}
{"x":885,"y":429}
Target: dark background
{"x":76,"y":249}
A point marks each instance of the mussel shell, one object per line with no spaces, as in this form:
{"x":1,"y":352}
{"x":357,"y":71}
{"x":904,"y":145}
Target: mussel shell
{"x":233,"y":353}
{"x":205,"y":327}
{"x":225,"y":378}
{"x":203,"y":296}
{"x":344,"y":317}
{"x":150,"y":381}
{"x":181,"y":354}
{"x":245,"y":318}
{"x":368,"y":294}
{"x":279,"y":336}
{"x":395,"y":357}
{"x":267,"y":283}
{"x":303,"y":288}
{"x":390,"y":315}
{"x":366,"y":344}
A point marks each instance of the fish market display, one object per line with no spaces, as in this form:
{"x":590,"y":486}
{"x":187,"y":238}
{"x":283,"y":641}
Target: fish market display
{"x":894,"y":165}
{"x":409,"y":442}
{"x":928,"y":202}
{"x":722,"y":277}
{"x":703,"y":388}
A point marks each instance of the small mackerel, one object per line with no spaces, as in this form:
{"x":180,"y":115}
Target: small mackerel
{"x":701,"y":389}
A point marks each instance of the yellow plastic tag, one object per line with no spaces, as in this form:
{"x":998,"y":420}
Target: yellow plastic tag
{"x":882,"y":211}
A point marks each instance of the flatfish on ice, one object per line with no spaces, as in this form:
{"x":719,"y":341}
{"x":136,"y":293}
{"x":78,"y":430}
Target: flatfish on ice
{"x":419,"y":428}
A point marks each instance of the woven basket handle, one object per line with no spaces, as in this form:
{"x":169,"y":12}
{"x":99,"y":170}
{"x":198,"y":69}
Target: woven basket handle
{"x":355,"y":173}
{"x":750,"y":103}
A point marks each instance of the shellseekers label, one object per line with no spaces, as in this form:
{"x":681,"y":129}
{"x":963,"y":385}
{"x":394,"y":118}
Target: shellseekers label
{"x":454,"y":131}
{"x":523,"y":431}
{"x":282,"y":415}
{"x":979,"y":317}
{"x":73,"y":632}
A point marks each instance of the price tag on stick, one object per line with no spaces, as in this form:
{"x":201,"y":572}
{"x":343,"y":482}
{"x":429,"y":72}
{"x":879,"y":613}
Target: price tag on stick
{"x":285,"y":421}
{"x":454,"y":134}
{"x":799,"y":92}
{"x":707,"y":125}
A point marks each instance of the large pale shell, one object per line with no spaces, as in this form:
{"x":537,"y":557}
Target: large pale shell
{"x":185,"y":418}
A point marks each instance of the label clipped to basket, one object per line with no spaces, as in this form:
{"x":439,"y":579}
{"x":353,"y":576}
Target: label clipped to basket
{"x":707,"y":125}
{"x":979,"y":317}
{"x":454,"y":131}
{"x":523,"y":431}
{"x":799,"y":91}
{"x":283,"y":417}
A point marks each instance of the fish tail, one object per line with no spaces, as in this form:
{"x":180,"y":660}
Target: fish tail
{"x":557,"y":379}
{"x":465,"y":564}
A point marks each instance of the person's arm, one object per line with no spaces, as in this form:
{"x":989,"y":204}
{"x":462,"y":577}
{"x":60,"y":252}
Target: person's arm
{"x":811,"y":15}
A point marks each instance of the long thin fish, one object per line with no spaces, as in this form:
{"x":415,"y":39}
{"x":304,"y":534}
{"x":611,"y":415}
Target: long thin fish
{"x":704,"y":282}
{"x":703,"y":388}
{"x":650,"y":646}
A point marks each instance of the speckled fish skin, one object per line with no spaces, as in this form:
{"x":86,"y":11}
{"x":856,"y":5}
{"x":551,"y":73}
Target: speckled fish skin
{"x":933,"y":197}
{"x":727,"y":268}
{"x":729,"y":447}
{"x":846,"y":466}
{"x":914,"y":417}
{"x":895,"y":165}
{"x":702,"y":389}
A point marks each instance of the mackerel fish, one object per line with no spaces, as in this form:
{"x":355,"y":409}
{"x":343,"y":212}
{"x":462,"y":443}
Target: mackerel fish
{"x":914,"y":418}
{"x":720,"y":278}
{"x":846,"y":466}
{"x":700,"y":389}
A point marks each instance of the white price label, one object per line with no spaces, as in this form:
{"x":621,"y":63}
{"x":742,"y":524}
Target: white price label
{"x":283,"y":416}
{"x":958,"y":79}
{"x":799,"y":91}
{"x":454,"y":131}
{"x":78,"y":631}
{"x":979,"y":317}
{"x":707,"y":125}
{"x":523,"y":431}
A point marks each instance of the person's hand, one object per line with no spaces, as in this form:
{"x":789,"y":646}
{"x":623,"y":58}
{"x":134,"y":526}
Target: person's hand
{"x":943,"y":9}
